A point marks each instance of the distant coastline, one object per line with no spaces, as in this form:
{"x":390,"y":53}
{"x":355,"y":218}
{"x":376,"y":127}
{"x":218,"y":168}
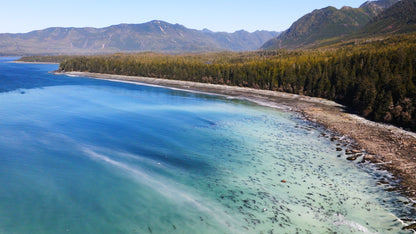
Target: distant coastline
{"x":16,"y":61}
{"x":389,"y":147}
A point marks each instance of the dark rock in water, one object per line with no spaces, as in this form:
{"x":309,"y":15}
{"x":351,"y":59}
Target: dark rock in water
{"x":380,"y":182}
{"x":150,"y":230}
{"x":174,"y":227}
{"x":410,"y":227}
{"x":352,"y":158}
{"x":391,"y":189}
{"x":339,"y":149}
{"x":352,"y":151}
{"x":339,"y":155}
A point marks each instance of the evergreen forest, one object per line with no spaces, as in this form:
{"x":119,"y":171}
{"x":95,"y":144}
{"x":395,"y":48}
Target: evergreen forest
{"x":374,"y":78}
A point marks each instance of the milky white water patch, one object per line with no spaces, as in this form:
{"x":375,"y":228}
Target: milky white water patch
{"x":176,"y":193}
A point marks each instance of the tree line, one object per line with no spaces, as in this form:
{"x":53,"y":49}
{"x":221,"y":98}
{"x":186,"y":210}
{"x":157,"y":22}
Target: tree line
{"x":45,"y":58}
{"x":373,"y":78}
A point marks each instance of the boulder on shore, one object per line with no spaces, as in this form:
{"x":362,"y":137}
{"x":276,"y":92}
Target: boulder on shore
{"x":352,"y":158}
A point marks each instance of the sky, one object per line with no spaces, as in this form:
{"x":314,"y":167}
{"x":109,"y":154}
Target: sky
{"x":20,"y":16}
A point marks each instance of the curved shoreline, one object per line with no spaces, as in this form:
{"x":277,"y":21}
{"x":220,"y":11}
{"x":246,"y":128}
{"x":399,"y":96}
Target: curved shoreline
{"x":23,"y":62}
{"x":391,"y":148}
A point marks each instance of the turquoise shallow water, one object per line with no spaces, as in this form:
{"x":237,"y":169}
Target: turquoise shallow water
{"x":79,"y":155}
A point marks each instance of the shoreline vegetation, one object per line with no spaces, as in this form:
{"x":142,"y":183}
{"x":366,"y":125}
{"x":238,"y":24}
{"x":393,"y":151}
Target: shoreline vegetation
{"x":23,"y":62}
{"x":389,"y":147}
{"x":51,"y":59}
{"x":374,"y":78}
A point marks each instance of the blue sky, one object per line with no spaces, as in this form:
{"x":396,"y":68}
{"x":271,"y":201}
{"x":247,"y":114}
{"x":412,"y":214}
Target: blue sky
{"x":216,"y":15}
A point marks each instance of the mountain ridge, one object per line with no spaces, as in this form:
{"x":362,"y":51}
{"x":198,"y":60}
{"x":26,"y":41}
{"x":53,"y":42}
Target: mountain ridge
{"x":399,"y":18}
{"x":156,"y":36}
{"x":326,"y":23}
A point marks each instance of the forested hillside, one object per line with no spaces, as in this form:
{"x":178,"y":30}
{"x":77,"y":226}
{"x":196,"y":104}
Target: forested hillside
{"x":374,"y":79}
{"x":400,"y":18}
{"x":313,"y":28}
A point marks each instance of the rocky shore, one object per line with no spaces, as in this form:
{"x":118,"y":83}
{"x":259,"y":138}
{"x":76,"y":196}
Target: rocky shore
{"x":389,"y":147}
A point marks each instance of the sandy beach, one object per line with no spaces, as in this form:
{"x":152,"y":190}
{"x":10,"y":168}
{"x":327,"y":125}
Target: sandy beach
{"x":389,"y":147}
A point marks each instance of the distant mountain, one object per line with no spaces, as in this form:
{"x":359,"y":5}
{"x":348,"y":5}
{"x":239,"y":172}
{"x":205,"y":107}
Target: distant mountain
{"x":327,"y":23}
{"x":157,"y":36}
{"x":399,"y":18}
{"x":241,"y":40}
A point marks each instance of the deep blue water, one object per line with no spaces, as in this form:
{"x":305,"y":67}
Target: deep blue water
{"x":81,"y":155}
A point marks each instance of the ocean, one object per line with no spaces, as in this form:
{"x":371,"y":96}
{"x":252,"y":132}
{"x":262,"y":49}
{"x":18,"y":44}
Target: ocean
{"x":81,"y":155}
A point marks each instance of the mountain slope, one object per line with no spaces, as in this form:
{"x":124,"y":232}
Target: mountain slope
{"x":155,"y":36}
{"x":327,"y":23}
{"x":400,"y":18}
